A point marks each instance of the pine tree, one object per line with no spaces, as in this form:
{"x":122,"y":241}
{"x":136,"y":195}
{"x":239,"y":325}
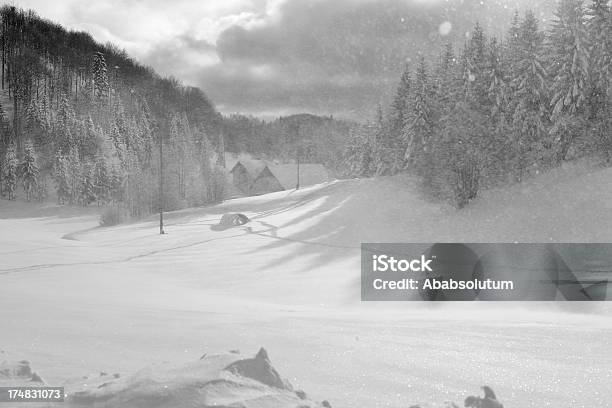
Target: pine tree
{"x":205,"y":171}
{"x":33,"y":122}
{"x":475,"y":69}
{"x":100,"y":76}
{"x":420,"y":122}
{"x":62,"y":181}
{"x":457,"y":156}
{"x":178,"y":142}
{"x":146,"y":126}
{"x":64,"y":124}
{"x":74,"y":174}
{"x":10,"y":172}
{"x":122,"y":126}
{"x":569,"y":53}
{"x":513,"y":33}
{"x":599,"y":28}
{"x":444,"y":81}
{"x":511,"y":55}
{"x":570,"y":58}
{"x":358,"y":156}
{"x":380,"y":158}
{"x":529,"y":81}
{"x":90,"y":142}
{"x":28,"y":171}
{"x":102,"y":180}
{"x":399,"y":110}
{"x":117,"y":145}
{"x":117,"y":185}
{"x":87,"y":188}
{"x":41,"y":189}
{"x":497,"y":84}
{"x":497,"y":111}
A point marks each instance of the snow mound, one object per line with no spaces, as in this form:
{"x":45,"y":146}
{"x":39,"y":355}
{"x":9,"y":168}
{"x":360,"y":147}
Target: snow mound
{"x":17,"y":372}
{"x":20,"y":369}
{"x":260,"y":369}
{"x":223,"y":380}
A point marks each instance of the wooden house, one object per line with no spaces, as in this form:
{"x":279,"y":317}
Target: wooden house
{"x":255,"y":177}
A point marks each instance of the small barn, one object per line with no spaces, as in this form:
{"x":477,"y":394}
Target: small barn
{"x":266,"y":182}
{"x":255,"y":177}
{"x":244,"y":172}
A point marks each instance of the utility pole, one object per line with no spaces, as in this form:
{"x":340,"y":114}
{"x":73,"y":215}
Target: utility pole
{"x":298,"y":142}
{"x":221,"y":151}
{"x":297,"y":186}
{"x":161,"y":185}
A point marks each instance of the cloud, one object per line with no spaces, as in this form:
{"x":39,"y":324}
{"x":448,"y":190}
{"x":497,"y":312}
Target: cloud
{"x":339,"y":57}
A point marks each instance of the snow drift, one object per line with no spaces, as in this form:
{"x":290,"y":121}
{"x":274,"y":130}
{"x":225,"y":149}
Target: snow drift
{"x":223,"y":380}
{"x":18,"y":373}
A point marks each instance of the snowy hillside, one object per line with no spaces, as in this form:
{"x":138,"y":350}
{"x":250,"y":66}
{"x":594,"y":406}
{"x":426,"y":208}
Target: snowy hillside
{"x":92,"y":299}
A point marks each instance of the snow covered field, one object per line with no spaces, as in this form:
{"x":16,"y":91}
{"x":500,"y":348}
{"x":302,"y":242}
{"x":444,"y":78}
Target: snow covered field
{"x":77,"y":299}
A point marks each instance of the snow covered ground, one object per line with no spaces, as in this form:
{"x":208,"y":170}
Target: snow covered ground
{"x":77,"y":299}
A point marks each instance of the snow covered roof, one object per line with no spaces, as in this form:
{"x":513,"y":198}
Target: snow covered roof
{"x":286,"y":174}
{"x":309,"y":174}
{"x":252,"y":166}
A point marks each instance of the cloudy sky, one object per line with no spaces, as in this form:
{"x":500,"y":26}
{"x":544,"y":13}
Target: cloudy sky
{"x":277,"y":57}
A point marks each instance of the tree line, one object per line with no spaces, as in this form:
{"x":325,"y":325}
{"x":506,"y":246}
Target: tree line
{"x":83,"y":122}
{"x":498,"y":110}
{"x":314,"y":139}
